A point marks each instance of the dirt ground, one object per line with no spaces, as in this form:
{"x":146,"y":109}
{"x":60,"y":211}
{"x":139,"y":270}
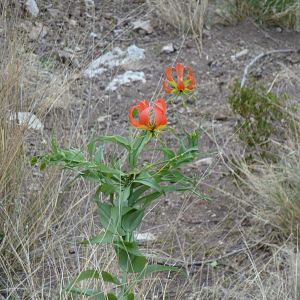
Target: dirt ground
{"x":187,"y":229}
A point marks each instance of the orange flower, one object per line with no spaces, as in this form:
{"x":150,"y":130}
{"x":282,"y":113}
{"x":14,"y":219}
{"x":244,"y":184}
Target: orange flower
{"x":181,"y":86}
{"x":143,"y":116}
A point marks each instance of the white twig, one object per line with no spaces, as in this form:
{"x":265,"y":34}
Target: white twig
{"x":258,"y":57}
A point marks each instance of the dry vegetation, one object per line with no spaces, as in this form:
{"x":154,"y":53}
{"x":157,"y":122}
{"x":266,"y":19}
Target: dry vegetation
{"x":39,"y":227}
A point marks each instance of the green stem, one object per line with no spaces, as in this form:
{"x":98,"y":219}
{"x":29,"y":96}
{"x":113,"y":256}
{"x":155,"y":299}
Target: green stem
{"x":124,"y":273}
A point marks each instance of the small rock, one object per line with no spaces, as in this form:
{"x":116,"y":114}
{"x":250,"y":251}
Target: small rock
{"x":93,"y":35}
{"x":27,"y":119}
{"x":125,"y":78}
{"x":145,"y":237}
{"x":32,"y":8}
{"x":220,"y":117}
{"x":203,"y":162}
{"x":257,"y":73}
{"x":102,"y":119}
{"x":72,"y":251}
{"x":73,"y":22}
{"x":38,"y":31}
{"x":143,"y":25}
{"x":169,"y":48}
{"x":239,"y":54}
{"x":278,"y":29}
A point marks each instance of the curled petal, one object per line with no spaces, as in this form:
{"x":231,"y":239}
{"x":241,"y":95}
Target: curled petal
{"x":191,"y":78}
{"x":191,"y":84}
{"x":160,"y":119}
{"x":179,"y":70}
{"x":140,"y":107}
{"x":161,"y":104}
{"x":166,"y":88}
{"x":169,"y":74}
{"x":144,"y":120}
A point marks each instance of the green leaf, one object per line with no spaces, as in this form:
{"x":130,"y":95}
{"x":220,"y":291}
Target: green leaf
{"x":105,"y":218}
{"x":97,"y":294}
{"x":110,"y":296}
{"x":114,"y":139}
{"x":137,"y":147}
{"x":148,"y":199}
{"x":33,"y":161}
{"x":43,"y":166}
{"x":146,"y":179}
{"x":102,"y":238}
{"x":91,"y":274}
{"x":131,"y":263}
{"x":129,"y":297}
{"x":136,"y":194}
{"x":132,"y":219}
{"x":109,"y":187}
{"x":129,"y":247}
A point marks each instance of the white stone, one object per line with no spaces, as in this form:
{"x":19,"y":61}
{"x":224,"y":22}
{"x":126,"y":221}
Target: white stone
{"x":169,"y":48}
{"x":127,"y":77}
{"x":32,"y":7}
{"x":239,"y":54}
{"x":204,"y":161}
{"x":144,"y":25}
{"x":112,"y":59}
{"x":145,"y":237}
{"x":27,"y":119}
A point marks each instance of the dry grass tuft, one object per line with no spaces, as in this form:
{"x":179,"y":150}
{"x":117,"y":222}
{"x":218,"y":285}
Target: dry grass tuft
{"x":185,"y":16}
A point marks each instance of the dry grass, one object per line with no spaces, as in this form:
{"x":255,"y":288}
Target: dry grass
{"x":185,"y":16}
{"x":275,"y":12}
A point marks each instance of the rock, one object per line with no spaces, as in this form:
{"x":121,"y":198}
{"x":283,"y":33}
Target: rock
{"x":26,"y":119}
{"x":203,"y":162}
{"x":145,"y":237}
{"x":114,"y":58}
{"x":38,"y":31}
{"x":32,"y":8}
{"x":125,"y":78}
{"x":169,"y":48}
{"x":278,"y":29}
{"x":219,"y":116}
{"x":239,"y":54}
{"x":143,"y":26}
{"x":93,"y":35}
{"x":73,"y":22}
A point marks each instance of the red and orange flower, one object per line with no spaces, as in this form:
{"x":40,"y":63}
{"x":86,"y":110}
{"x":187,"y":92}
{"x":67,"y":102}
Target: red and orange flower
{"x":181,"y":86}
{"x":143,"y":116}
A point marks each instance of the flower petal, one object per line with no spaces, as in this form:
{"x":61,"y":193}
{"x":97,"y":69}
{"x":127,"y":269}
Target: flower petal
{"x":166,"y":88}
{"x":140,"y":107}
{"x":160,"y":119}
{"x":179,"y":70}
{"x":134,"y":122}
{"x":192,"y":79}
{"x":160,"y":108}
{"x":169,"y":73}
{"x":144,"y":120}
{"x":161,"y":104}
